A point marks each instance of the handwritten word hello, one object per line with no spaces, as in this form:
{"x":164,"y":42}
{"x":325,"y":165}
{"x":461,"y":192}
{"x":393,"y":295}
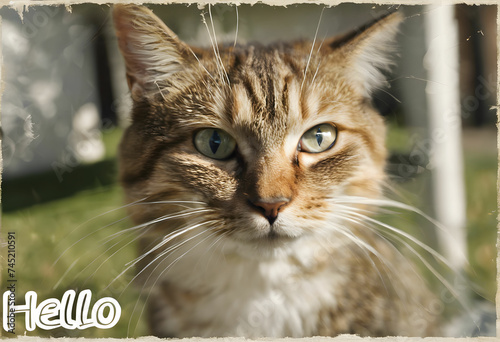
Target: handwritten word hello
{"x":52,"y":313}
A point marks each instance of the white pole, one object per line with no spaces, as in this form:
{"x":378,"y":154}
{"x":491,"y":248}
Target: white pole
{"x":443,"y":100}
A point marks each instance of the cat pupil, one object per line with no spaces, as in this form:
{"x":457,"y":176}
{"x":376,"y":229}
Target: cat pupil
{"x":215,"y":142}
{"x":319,"y":136}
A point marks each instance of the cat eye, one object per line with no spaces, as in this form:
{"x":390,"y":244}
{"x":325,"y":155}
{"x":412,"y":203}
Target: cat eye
{"x":319,"y":138}
{"x":214,"y":143}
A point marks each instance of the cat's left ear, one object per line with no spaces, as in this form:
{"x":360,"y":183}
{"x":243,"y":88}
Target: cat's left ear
{"x":367,"y":52}
{"x":152,"y":52}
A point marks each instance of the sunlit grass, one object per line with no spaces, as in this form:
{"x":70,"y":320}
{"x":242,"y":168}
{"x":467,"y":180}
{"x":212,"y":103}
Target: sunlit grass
{"x":52,"y":231}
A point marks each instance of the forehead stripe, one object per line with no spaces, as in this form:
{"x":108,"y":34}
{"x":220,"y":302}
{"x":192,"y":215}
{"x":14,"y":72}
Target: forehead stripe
{"x":251,"y":89}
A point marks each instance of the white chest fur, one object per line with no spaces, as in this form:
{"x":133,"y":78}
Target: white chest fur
{"x":238,"y":296}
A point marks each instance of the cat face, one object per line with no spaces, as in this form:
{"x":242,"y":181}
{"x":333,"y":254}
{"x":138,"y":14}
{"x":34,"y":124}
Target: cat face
{"x":261,"y":139}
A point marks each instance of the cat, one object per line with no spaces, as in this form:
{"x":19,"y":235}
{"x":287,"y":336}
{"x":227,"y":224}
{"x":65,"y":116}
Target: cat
{"x":253,"y":172}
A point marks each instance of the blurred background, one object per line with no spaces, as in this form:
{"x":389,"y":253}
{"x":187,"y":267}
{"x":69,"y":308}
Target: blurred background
{"x":65,"y":104}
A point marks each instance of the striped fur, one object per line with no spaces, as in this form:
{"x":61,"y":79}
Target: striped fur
{"x":214,"y":262}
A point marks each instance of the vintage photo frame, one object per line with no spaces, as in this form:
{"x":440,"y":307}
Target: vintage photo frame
{"x":63,"y":163}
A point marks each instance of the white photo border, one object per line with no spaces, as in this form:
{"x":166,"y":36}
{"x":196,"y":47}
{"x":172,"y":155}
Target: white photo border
{"x":21,"y":5}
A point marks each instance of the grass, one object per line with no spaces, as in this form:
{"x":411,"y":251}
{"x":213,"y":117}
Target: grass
{"x":69,"y":226}
{"x":480,"y":171}
{"x":51,"y":232}
{"x":60,"y":233}
{"x":480,"y":174}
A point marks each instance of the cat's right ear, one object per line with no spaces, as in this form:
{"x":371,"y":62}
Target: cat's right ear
{"x":366,"y":52}
{"x":152,"y":52}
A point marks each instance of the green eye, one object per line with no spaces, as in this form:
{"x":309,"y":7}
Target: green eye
{"x":319,"y":138}
{"x":214,"y":143}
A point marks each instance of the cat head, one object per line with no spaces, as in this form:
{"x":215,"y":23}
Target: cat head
{"x":261,"y":137}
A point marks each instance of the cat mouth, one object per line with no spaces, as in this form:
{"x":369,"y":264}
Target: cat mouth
{"x":273,"y":237}
{"x":260,"y":232}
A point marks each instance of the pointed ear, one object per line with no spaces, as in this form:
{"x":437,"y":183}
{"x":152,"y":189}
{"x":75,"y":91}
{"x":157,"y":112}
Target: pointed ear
{"x":152,"y":52}
{"x":366,"y":52}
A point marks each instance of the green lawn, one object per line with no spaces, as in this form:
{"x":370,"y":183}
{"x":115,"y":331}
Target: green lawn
{"x":64,"y":242}
{"x":74,"y":230}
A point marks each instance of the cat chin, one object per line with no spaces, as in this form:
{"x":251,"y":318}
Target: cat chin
{"x":260,"y":240}
{"x":262,"y":248}
{"x":263,"y":252}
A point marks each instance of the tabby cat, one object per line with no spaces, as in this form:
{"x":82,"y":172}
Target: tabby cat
{"x":253,"y":172}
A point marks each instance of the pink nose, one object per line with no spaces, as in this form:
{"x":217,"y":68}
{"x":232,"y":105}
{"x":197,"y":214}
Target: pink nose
{"x":270,"y":209}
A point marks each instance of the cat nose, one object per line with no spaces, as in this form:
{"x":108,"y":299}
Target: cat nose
{"x":270,"y":209}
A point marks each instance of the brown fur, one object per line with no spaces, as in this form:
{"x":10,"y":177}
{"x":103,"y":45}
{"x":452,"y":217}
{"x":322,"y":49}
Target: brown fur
{"x":265,"y":98}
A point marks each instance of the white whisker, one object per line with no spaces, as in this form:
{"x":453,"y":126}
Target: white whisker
{"x":181,"y":214}
{"x":204,"y":21}
{"x":435,"y":272}
{"x":422,"y":245}
{"x":165,"y":255}
{"x":237,"y":25}
{"x":86,"y":236}
{"x":95,"y":231}
{"x":319,"y":61}
{"x":390,"y":203}
{"x":201,"y":64}
{"x":365,"y":247}
{"x":65,"y":274}
{"x":164,"y":241}
{"x":138,"y":202}
{"x":217,"y":53}
{"x":213,"y":41}
{"x":312,"y":49}
{"x":147,"y":225}
{"x":159,"y":89}
{"x":212,"y":246}
{"x":382,"y":89}
{"x":114,"y":253}
{"x":346,"y":209}
{"x":362,"y":224}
